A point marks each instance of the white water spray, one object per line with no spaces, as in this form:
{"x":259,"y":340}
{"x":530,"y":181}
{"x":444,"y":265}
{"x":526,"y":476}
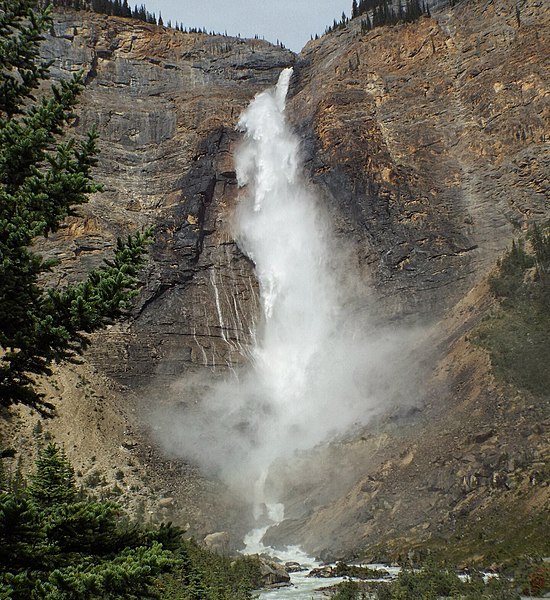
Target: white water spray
{"x":312,"y":369}
{"x":281,"y":229}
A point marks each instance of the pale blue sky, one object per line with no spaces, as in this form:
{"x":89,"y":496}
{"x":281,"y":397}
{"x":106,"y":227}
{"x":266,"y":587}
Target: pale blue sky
{"x":290,"y":21}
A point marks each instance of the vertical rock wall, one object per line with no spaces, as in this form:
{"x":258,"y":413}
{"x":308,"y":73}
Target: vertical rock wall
{"x":429,"y":140}
{"x":165,"y":105}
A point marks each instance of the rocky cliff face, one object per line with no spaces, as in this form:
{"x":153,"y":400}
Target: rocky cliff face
{"x":166,"y":106}
{"x":429,"y":143}
{"x":425,"y":142}
{"x":428,"y":140}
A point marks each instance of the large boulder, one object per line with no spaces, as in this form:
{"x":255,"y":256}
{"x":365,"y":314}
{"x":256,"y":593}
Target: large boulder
{"x":217,"y":542}
{"x":273,"y":573}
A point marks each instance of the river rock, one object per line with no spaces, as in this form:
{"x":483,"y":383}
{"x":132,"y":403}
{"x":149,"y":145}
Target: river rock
{"x":273,"y":573}
{"x":324,"y":572}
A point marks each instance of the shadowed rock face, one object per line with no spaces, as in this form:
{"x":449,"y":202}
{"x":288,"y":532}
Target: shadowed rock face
{"x":165,"y":105}
{"x":425,"y":142}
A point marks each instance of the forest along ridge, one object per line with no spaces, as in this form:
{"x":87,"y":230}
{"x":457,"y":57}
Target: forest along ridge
{"x":424,"y":145}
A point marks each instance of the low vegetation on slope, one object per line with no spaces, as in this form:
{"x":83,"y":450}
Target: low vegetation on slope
{"x":57,"y":542}
{"x":511,"y":529}
{"x":517,"y":333}
{"x":432,"y":582}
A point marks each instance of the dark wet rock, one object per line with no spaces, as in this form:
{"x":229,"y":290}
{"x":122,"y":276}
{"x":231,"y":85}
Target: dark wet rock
{"x":324,"y":572}
{"x":165,"y":105}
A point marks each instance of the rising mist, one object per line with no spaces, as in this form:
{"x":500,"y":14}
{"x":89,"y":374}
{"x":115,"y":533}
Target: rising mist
{"x":314,"y":372}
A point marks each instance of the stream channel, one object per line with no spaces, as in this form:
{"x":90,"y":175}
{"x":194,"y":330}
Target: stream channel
{"x":301,"y":586}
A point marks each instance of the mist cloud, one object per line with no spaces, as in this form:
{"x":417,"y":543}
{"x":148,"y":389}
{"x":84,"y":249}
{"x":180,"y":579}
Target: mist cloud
{"x":319,"y":368}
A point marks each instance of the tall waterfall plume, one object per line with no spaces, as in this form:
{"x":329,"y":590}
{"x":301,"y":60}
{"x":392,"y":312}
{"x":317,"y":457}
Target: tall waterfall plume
{"x":311,"y":371}
{"x":281,"y":229}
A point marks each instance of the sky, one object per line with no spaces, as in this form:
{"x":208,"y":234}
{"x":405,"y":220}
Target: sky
{"x":292,"y":22}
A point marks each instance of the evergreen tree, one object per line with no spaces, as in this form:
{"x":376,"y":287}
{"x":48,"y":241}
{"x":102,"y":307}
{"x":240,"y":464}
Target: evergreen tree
{"x":53,"y":481}
{"x":57,"y":545}
{"x":540,"y":241}
{"x":42,"y":178}
{"x":53,"y":546}
{"x":20,"y":35}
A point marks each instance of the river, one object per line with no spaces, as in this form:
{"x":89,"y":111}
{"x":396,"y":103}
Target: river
{"x":307,"y":588}
{"x":303,"y":587}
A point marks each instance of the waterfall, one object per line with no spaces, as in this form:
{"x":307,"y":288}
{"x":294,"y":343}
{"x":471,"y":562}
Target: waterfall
{"x":280,"y":228}
{"x":282,"y":231}
{"x":312,"y":368}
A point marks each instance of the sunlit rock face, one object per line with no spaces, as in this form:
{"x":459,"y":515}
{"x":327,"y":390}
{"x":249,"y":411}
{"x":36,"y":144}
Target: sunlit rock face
{"x":428,"y":140}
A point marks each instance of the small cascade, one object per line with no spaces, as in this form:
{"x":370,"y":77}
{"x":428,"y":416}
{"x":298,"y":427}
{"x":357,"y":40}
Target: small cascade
{"x":213,"y":282}
{"x":223,"y":332}
{"x":272,"y":515}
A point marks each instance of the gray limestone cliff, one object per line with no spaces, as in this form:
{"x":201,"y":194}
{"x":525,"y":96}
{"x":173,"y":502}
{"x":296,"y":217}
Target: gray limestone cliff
{"x":165,"y":105}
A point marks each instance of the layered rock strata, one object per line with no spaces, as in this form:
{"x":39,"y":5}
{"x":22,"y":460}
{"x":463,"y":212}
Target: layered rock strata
{"x":429,"y":141}
{"x":165,"y":105}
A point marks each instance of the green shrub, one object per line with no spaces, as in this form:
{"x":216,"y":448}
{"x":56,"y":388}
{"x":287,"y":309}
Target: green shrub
{"x":538,"y":581}
{"x":54,"y":544}
{"x":344,"y":570}
{"x":348,"y":590}
{"x":432,"y":583}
